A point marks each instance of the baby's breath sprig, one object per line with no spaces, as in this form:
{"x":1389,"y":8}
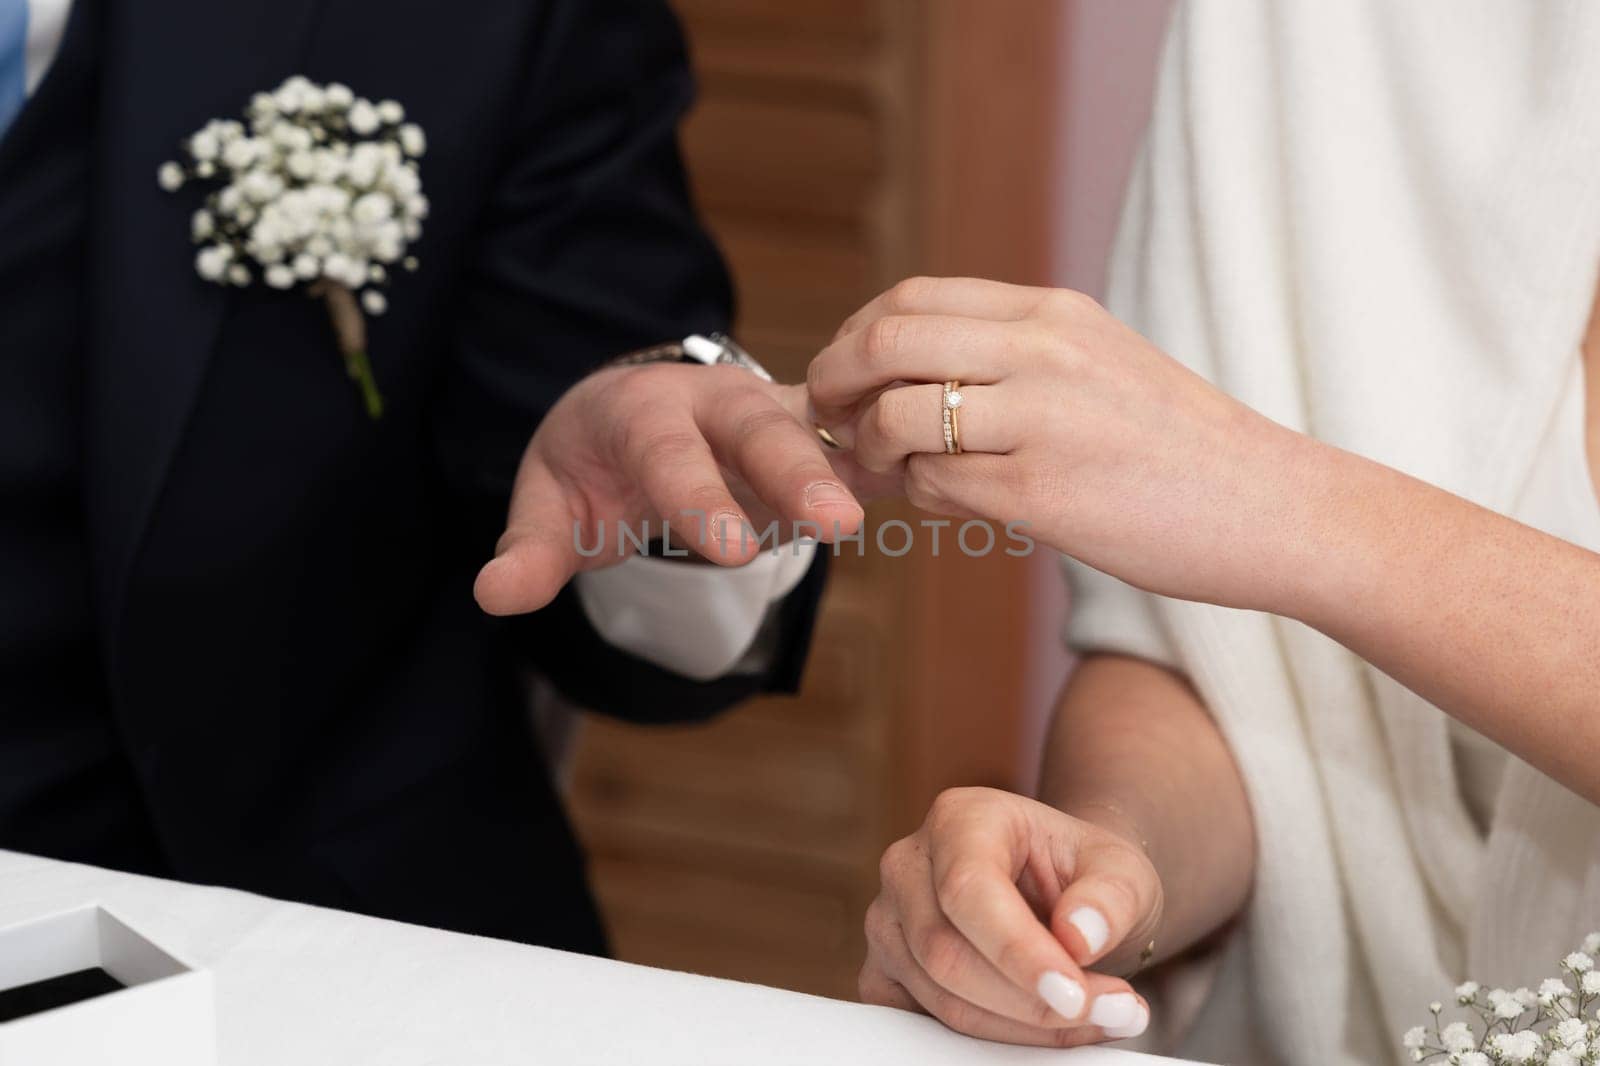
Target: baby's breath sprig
{"x":316,"y":187}
{"x":1558,"y":1025}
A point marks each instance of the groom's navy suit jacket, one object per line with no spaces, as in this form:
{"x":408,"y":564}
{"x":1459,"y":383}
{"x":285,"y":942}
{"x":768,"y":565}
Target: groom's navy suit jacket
{"x":298,"y":693}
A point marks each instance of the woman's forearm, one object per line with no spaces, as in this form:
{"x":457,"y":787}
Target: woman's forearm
{"x":1491,"y":620}
{"x":1133,"y":749}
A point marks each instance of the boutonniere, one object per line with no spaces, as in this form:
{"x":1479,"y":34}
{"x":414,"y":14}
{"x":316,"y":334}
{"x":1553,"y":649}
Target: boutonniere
{"x":317,"y":187}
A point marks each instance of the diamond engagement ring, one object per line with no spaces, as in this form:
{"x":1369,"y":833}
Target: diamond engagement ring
{"x":950,"y":410}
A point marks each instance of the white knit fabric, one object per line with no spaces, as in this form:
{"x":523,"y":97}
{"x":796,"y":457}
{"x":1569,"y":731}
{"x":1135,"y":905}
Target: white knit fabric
{"x":1377,"y":223}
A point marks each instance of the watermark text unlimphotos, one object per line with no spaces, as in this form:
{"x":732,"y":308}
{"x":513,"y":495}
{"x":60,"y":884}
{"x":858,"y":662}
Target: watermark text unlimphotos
{"x":894,"y":538}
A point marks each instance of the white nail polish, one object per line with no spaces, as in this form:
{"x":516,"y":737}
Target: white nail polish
{"x":1139,"y":1024}
{"x":1116,"y":1010}
{"x":1092,"y":924}
{"x":1064,"y":995}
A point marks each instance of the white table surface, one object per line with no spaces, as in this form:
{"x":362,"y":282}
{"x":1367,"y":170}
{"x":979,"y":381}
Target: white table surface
{"x":301,"y":985}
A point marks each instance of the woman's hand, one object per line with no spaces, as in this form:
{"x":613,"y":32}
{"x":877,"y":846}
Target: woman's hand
{"x":990,"y":913}
{"x":1106,"y":447}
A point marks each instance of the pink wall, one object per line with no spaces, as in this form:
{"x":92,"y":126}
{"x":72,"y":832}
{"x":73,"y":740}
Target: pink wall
{"x":1107,"y":78}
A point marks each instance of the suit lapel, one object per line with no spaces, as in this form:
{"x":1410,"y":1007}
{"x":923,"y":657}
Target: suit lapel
{"x":167,"y":67}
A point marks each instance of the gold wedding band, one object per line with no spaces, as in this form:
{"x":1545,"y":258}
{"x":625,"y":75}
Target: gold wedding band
{"x":950,"y":410}
{"x":825,"y":437}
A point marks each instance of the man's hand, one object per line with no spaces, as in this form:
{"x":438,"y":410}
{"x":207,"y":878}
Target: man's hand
{"x":714,"y":452}
{"x":991,"y":911}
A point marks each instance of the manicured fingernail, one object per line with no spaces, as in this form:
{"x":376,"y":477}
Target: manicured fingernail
{"x":1092,"y":924}
{"x":1115,"y":1010}
{"x":1140,"y":1023}
{"x":828,"y":494}
{"x":727,"y":531}
{"x":1064,"y":995}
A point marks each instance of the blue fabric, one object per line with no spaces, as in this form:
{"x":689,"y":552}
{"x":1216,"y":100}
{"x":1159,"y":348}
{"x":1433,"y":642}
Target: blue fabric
{"x":13,"y":60}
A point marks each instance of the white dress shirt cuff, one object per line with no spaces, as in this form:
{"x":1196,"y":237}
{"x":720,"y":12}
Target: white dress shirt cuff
{"x":695,"y":620}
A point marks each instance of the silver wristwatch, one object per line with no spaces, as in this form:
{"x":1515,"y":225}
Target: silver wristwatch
{"x":719,"y":349}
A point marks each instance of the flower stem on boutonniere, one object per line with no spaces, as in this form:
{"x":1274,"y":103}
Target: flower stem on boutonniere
{"x":350,"y":327}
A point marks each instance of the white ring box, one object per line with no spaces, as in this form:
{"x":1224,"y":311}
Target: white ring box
{"x":164,"y":1015}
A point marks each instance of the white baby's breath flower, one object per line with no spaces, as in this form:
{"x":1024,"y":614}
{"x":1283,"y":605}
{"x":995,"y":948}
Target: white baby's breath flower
{"x":1503,"y":1004}
{"x":1591,"y":944}
{"x":170,"y":176}
{"x":373,"y":208}
{"x":1591,"y":983}
{"x":1457,"y":1036}
{"x":302,"y":165}
{"x":391,"y":112}
{"x":1561,"y":1057}
{"x":212,"y":262}
{"x":202,"y":225}
{"x":338,"y":96}
{"x":388,"y":243}
{"x":291,"y":95}
{"x":205,"y":169}
{"x":1473,"y":1058}
{"x":376,"y":274}
{"x":291,"y":137}
{"x":1515,"y":1047}
{"x":307,"y":267}
{"x":374,"y":302}
{"x":239,"y":275}
{"x":205,"y":144}
{"x":337,"y":266}
{"x":330,"y":166}
{"x":1467,"y":990}
{"x":1578,"y":962}
{"x":364,"y":166}
{"x":1525,"y":997}
{"x":261,"y":186}
{"x":413,"y":140}
{"x":280,"y":276}
{"x":364,"y":118}
{"x":1414,"y":1037}
{"x":1552,"y":989}
{"x":1570,"y":1032}
{"x":241,"y":154}
{"x":403,"y":182}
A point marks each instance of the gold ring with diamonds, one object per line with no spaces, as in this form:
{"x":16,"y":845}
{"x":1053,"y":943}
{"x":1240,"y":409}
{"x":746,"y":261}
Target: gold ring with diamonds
{"x":950,"y":409}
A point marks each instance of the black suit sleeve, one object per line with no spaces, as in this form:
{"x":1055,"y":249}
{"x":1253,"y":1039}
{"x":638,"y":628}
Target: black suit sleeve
{"x":588,"y":247}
